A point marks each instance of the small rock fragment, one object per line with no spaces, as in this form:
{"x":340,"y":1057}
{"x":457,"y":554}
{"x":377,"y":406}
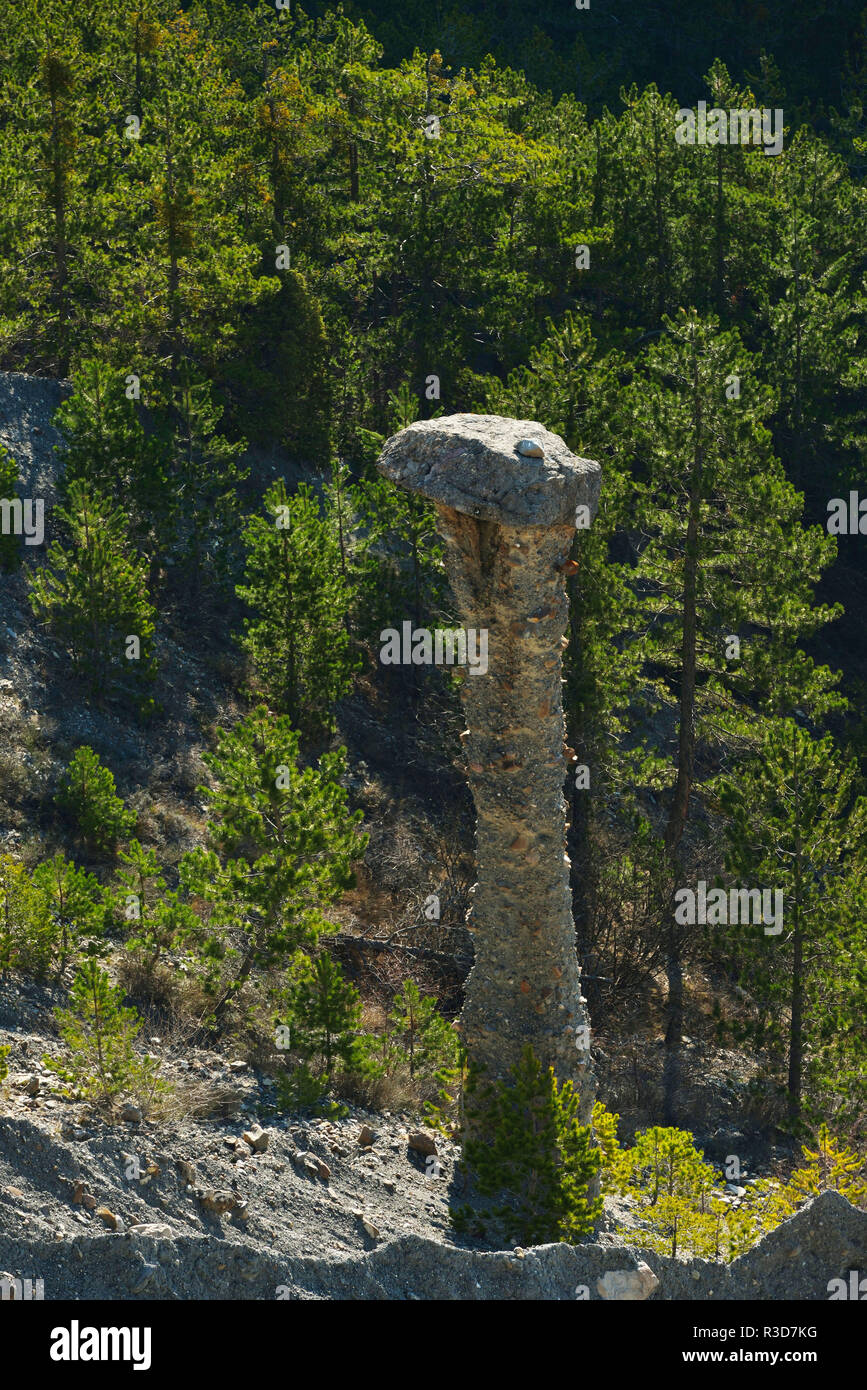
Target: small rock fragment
{"x":628,"y":1285}
{"x":366,"y":1137}
{"x":257,"y":1137}
{"x":107,"y":1216}
{"x":531,"y":449}
{"x":422,"y":1142}
{"x":218,"y":1202}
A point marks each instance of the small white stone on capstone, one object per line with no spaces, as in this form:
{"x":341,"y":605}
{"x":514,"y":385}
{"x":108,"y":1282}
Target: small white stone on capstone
{"x":531,"y":449}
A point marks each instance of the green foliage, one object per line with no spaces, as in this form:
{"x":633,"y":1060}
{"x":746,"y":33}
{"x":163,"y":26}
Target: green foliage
{"x":88,"y":795}
{"x":159,"y":920}
{"x":93,"y":595}
{"x":204,"y":474}
{"x":399,"y":561}
{"x":302,"y":1089}
{"x":526,"y":1147}
{"x":325,"y":1011}
{"x":4,"y":1063}
{"x":830,"y":1167}
{"x":674,"y":1194}
{"x":604,"y":1125}
{"x":283,"y":845}
{"x":430,"y":1043}
{"x":278,"y":378}
{"x":100,"y":1034}
{"x":454,"y":258}
{"x":105,"y":449}
{"x":28,"y":934}
{"x":75,"y":901}
{"x":10,"y":544}
{"x":296,"y":585}
{"x":797,"y":822}
{"x":717,"y":503}
{"x":678,"y":1201}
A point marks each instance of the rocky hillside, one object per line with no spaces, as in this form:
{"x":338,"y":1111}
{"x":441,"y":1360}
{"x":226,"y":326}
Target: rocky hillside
{"x":217,"y":1195}
{"x":224,"y":1198}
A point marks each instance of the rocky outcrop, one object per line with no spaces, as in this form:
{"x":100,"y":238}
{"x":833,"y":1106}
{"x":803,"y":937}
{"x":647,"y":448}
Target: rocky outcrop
{"x":829,"y":1235}
{"x":509,"y":496}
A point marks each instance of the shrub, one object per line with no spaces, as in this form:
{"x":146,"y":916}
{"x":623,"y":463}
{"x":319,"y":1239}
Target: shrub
{"x":159,"y":920}
{"x":830,"y":1167}
{"x":28,"y":933}
{"x":10,"y":545}
{"x":74,"y":901}
{"x":428,"y":1040}
{"x":526,"y":1148}
{"x":94,"y":596}
{"x":100,"y":1035}
{"x":87,"y":792}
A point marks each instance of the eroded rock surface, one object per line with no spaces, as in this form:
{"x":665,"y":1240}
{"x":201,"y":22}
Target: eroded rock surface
{"x":509,"y":495}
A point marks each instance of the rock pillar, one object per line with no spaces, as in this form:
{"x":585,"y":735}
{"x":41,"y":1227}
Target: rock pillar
{"x":509,"y":496}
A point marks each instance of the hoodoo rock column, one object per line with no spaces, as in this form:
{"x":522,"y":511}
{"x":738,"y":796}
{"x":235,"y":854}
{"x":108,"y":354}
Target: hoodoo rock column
{"x":509,"y":496}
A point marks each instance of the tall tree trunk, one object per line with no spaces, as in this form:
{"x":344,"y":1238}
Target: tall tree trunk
{"x":58,"y":200}
{"x":686,"y":762}
{"x":719,"y":237}
{"x":688,"y":653}
{"x":796,"y":1023}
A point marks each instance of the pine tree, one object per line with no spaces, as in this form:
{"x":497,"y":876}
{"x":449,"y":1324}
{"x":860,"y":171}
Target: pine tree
{"x":283,"y":844}
{"x":204,"y":473}
{"x":672,"y":1188}
{"x":325,"y":1011}
{"x":76,"y":903}
{"x":400,"y":560}
{"x":427,"y":1039}
{"x":48,"y":148}
{"x":106,"y":449}
{"x":278,"y":380}
{"x":10,"y":544}
{"x":158,"y":920}
{"x":28,"y":934}
{"x":88,"y":795}
{"x":93,"y":595}
{"x":100,"y":1035}
{"x":527,"y":1148}
{"x":297,"y":586}
{"x":726,"y":573}
{"x":798,"y":826}
{"x":184,"y":273}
